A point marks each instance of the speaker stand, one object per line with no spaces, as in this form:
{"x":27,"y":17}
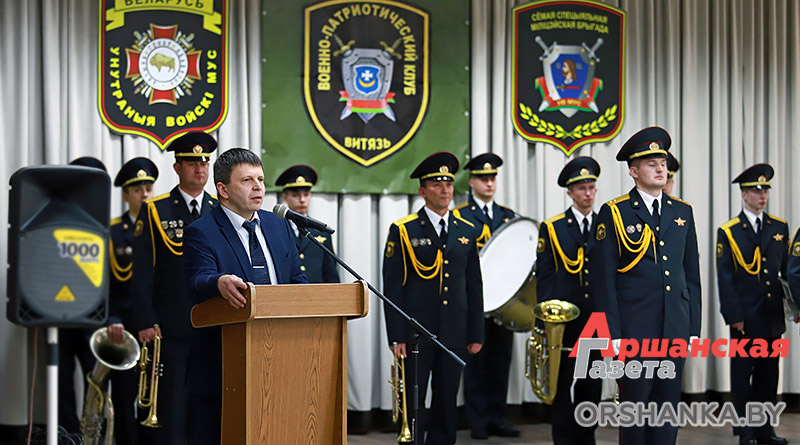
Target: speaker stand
{"x":52,"y":386}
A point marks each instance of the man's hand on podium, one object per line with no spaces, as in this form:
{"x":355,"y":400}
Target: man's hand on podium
{"x":229,"y":286}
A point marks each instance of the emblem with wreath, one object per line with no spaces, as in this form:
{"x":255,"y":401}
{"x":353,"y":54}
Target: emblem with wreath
{"x":559,"y":132}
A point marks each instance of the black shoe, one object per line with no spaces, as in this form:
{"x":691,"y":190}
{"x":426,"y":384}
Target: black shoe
{"x":503,"y":431}
{"x":480,"y":435}
{"x":747,"y":441}
{"x":775,"y":440}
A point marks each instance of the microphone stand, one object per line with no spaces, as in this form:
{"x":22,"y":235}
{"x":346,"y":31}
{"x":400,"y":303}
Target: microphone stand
{"x":418,"y":328}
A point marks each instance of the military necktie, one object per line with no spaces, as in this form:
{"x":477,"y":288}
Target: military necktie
{"x":486,"y":210}
{"x":257,"y":258}
{"x":443,"y":232}
{"x":195,"y":213}
{"x":585,"y":230}
{"x":656,"y":215}
{"x":758,"y":230}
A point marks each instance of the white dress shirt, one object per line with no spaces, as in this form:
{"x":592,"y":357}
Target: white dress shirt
{"x":188,"y":198}
{"x":435,"y":218}
{"x":489,"y":205}
{"x":648,"y":200}
{"x":579,"y":217}
{"x":752,"y":218}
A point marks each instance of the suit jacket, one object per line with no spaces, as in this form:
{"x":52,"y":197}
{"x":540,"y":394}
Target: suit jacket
{"x":565,"y":278}
{"x":318,"y":266}
{"x":473,"y":212}
{"x":754,"y":299}
{"x":656,"y":295}
{"x":212,"y":248}
{"x":793,"y":267}
{"x":450,"y":302}
{"x":158,"y":280}
{"x":121,"y":302}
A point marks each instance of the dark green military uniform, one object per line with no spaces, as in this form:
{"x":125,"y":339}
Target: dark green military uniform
{"x":160,"y":288}
{"x":439,"y":284}
{"x":748,"y":266}
{"x":563,"y":272}
{"x":486,"y":374}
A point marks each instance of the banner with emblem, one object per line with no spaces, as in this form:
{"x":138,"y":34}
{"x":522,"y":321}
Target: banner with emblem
{"x":568,"y":73}
{"x":382,"y":85}
{"x":163,"y":67}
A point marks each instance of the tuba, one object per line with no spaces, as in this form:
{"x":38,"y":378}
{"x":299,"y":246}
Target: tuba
{"x":110,"y":356}
{"x":543,"y":357}
{"x":149,"y":398}
{"x":398,"y":382}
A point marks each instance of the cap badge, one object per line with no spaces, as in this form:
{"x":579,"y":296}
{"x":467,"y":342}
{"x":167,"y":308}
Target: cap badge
{"x":584,"y":172}
{"x":487,"y":166}
{"x":301,"y":180}
{"x":762,"y":178}
{"x":141,"y":174}
{"x":654,"y":146}
{"x":444,"y":169}
{"x":197,"y":149}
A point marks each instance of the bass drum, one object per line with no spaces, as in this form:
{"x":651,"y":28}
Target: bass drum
{"x":508,"y":263}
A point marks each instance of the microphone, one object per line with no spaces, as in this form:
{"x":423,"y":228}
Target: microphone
{"x":283,"y":211}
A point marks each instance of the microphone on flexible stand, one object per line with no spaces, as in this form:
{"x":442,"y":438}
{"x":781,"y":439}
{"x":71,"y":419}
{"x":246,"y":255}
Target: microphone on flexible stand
{"x":283,"y":211}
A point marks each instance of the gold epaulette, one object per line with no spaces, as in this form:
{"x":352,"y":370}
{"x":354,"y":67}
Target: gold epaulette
{"x":554,"y":219}
{"x":115,"y":221}
{"x":776,"y":218}
{"x":459,"y":207}
{"x":213,"y":196}
{"x":679,"y":200}
{"x":753,"y":268}
{"x":619,"y":199}
{"x":158,"y":198}
{"x":457,"y":214}
{"x":730,"y":223}
{"x":407,"y":219}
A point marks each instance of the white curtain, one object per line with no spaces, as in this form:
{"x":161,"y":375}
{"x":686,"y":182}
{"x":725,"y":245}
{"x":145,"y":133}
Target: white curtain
{"x":722,"y":77}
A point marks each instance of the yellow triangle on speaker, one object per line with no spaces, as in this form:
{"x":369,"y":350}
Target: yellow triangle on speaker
{"x":65,"y":294}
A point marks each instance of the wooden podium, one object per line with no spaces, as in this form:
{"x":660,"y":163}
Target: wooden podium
{"x":284,"y":362}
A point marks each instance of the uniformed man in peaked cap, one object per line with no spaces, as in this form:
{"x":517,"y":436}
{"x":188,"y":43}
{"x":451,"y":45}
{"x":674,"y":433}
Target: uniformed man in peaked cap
{"x":672,"y":168}
{"x":158,"y":278}
{"x":136,"y":178}
{"x":563,"y":272}
{"x":751,"y":253}
{"x":73,"y":343}
{"x":318,"y":266}
{"x":431,"y":270}
{"x":646,"y":274}
{"x":486,"y":374}
{"x":793,"y":268}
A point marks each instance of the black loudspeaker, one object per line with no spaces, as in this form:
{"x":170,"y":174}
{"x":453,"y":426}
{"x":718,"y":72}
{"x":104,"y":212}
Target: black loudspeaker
{"x":58,"y":246}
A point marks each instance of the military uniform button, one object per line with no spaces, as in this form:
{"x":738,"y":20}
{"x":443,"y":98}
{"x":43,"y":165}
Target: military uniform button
{"x":766,"y":271}
{"x":767,"y":283}
{"x":763,"y":259}
{"x":585,"y":295}
{"x":586,"y":284}
{"x":657,"y":228}
{"x":444,"y":302}
{"x":586,"y":260}
{"x":302,"y":256}
{"x":666,"y":272}
{"x":664,"y":258}
{"x":669,"y":288}
{"x":447,"y":275}
{"x":661,"y":243}
{"x":586,"y":271}
{"x":303,"y":268}
{"x":769,"y":294}
{"x":445,"y":289}
{"x":446,"y":261}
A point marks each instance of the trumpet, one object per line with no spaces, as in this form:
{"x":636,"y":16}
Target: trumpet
{"x":543,"y":357}
{"x":398,"y":382}
{"x":149,"y":398}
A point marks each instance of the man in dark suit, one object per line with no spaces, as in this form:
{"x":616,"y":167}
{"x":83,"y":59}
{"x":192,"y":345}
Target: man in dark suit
{"x":136,"y":178}
{"x":751,"y":253}
{"x":646,"y":273}
{"x":236,"y":242}
{"x":318,"y":266}
{"x":562,"y":273}
{"x":431,"y":270}
{"x":486,"y":374}
{"x":158,"y":283}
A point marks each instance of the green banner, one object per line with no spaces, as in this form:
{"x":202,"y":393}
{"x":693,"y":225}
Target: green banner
{"x":362,"y":91}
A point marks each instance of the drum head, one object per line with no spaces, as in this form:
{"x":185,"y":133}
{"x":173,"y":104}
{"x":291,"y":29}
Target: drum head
{"x":507,"y":261}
